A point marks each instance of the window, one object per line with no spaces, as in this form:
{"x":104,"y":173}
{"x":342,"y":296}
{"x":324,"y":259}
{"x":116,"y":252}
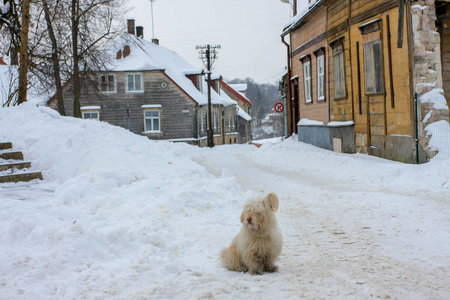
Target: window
{"x":307,"y":77}
{"x":373,"y":67}
{"x":90,"y":115}
{"x":373,"y":57}
{"x":202,"y":119}
{"x":134,"y":82}
{"x":216,"y":117}
{"x":90,"y":112}
{"x":339,"y":71}
{"x":229,"y":120}
{"x":152,"y":118}
{"x":108,"y":83}
{"x":321,"y":77}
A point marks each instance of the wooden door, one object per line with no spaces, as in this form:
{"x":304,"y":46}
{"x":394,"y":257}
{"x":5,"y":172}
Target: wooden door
{"x":377,"y":121}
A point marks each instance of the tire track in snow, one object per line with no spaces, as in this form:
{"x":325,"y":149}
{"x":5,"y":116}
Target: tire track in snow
{"x":321,"y":259}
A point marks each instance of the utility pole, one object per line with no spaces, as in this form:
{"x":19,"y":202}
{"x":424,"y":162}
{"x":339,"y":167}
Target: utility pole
{"x":208,"y":54}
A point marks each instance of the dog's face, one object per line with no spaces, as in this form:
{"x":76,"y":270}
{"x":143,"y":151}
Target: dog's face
{"x":258,"y":216}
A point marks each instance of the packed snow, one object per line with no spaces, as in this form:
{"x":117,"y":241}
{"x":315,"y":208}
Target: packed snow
{"x":119,"y":216}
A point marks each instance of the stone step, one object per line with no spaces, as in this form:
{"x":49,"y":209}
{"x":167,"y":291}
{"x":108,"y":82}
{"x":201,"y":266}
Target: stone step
{"x":18,"y":155}
{"x":4,"y":146}
{"x":17,"y":165}
{"x":21,"y":177}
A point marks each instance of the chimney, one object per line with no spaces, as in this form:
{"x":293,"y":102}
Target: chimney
{"x":155,"y":41}
{"x":130,"y":23}
{"x":126,"y":51}
{"x":140,"y":31}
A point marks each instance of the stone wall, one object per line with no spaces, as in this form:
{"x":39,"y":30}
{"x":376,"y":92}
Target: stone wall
{"x":427,"y":72}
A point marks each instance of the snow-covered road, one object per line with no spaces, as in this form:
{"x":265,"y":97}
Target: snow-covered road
{"x":349,"y":239}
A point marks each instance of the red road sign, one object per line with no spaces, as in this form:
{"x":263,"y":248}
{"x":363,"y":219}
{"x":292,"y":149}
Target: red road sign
{"x":279,"y":107}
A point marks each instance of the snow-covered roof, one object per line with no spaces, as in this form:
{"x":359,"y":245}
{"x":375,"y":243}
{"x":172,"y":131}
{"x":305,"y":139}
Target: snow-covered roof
{"x":218,"y":98}
{"x":241,"y":96}
{"x":294,"y":21}
{"x":147,"y":56}
{"x":240,"y":87}
{"x":244,"y":115}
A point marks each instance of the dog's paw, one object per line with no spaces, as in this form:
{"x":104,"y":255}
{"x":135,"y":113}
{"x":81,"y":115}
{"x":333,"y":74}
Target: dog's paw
{"x":271,"y":269}
{"x":255,"y":272}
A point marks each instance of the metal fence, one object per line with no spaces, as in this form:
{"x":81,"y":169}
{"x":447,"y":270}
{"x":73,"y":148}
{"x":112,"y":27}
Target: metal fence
{"x":440,"y":139}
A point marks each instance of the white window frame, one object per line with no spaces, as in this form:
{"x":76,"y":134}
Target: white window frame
{"x":87,"y":111}
{"x":321,"y":77}
{"x":202,"y":119}
{"x":200,"y":83}
{"x":107,"y":83}
{"x":215,"y":116}
{"x":307,"y":80}
{"x":152,"y":108}
{"x":134,"y":90}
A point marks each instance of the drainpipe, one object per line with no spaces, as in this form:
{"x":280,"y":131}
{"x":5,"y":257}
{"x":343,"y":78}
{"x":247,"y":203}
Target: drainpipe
{"x":288,"y":90}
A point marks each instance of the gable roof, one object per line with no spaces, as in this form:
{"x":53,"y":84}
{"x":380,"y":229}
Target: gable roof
{"x":147,"y":56}
{"x":235,"y":93}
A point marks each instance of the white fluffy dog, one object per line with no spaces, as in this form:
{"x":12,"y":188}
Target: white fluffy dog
{"x":258,"y":244}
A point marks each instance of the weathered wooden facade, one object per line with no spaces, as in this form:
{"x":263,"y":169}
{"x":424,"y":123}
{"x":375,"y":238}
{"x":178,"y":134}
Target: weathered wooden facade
{"x":238,"y":94}
{"x":377,"y":54}
{"x":152,"y":91}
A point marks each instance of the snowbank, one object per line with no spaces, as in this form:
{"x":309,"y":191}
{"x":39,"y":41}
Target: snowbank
{"x":116,"y":212}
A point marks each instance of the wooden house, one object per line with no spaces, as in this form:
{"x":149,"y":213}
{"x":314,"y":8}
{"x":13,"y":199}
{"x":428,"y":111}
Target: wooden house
{"x":237,"y":92}
{"x":378,"y":55}
{"x":150,"y":90}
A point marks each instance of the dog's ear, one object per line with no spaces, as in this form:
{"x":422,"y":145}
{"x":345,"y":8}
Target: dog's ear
{"x":271,"y":201}
{"x":242,"y":217}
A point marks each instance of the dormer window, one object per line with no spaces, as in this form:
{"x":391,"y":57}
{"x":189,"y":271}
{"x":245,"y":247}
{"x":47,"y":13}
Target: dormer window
{"x":197,"y":81}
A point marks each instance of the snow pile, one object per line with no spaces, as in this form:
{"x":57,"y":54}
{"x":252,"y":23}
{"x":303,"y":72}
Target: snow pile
{"x":115,"y":213}
{"x":358,"y":169}
{"x":307,"y":122}
{"x":435,"y":97}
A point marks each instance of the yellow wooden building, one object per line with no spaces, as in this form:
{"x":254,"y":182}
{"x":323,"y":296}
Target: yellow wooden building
{"x":355,"y":68}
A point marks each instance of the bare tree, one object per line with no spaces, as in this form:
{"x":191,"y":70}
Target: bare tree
{"x":61,"y":45}
{"x":23,"y":68}
{"x":55,"y":56}
{"x":10,"y":31}
{"x":92,"y":22}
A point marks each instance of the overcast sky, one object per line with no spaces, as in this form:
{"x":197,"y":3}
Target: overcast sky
{"x":247,"y":30}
